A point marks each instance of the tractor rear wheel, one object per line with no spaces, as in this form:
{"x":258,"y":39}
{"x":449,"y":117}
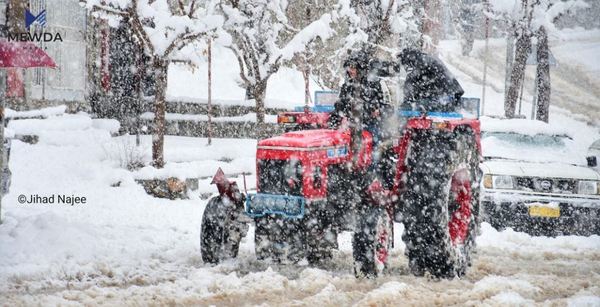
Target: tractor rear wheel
{"x":221,"y":231}
{"x":372,"y":242}
{"x":441,"y":213}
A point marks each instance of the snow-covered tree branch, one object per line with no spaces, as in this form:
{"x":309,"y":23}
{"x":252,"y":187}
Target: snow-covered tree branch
{"x":262,"y":37}
{"x":383,"y":25}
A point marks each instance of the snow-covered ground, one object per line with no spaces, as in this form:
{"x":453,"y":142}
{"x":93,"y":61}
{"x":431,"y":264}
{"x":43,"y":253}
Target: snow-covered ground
{"x":125,"y":247}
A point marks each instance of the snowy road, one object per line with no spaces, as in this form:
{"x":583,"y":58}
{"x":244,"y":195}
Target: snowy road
{"x":511,"y":268}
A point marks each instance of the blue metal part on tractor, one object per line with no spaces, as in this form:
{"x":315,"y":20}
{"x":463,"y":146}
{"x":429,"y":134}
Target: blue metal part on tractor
{"x":260,"y":204}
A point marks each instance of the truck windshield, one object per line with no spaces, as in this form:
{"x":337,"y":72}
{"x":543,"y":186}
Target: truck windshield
{"x":533,"y":148}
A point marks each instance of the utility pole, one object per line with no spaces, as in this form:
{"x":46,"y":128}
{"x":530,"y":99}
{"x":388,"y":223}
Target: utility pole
{"x":209,"y":128}
{"x":510,"y":57}
{"x":485,"y":57}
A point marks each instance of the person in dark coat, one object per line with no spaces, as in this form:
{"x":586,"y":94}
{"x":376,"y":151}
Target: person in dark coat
{"x":429,"y":86}
{"x":360,"y":98}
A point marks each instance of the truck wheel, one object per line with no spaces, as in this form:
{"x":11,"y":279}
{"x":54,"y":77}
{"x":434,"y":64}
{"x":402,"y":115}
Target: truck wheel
{"x":221,"y":232}
{"x":372,"y":242}
{"x":441,"y":214}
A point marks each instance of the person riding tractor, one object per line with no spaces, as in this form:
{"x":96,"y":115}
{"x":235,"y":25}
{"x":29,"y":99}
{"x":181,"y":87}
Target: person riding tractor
{"x":361,"y":99}
{"x":429,"y":86}
{"x":362,"y":103}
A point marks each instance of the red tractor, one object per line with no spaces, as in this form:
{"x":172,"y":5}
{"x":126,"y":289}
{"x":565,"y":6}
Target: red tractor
{"x":314,"y":184}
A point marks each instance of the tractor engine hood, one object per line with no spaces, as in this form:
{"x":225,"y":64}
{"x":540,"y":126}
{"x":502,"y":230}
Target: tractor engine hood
{"x":308,"y":139}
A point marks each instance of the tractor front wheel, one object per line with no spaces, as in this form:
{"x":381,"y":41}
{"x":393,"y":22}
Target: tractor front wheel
{"x":221,"y":231}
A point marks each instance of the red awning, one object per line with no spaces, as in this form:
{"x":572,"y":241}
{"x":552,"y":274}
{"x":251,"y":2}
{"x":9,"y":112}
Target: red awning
{"x":23,"y":55}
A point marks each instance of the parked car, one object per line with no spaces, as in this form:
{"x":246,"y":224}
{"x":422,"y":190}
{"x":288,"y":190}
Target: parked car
{"x":535,"y":180}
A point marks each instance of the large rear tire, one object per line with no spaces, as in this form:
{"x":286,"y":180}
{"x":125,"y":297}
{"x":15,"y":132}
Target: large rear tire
{"x":372,"y":242}
{"x":221,"y":231}
{"x":441,"y":213}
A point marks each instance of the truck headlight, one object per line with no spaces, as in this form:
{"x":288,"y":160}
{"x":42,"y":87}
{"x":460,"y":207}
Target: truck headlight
{"x":588,"y":187}
{"x":498,"y":182}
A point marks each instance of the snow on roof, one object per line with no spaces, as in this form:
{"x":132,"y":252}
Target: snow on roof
{"x":522,"y":126}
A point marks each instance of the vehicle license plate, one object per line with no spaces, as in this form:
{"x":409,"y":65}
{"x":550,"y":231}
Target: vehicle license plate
{"x":540,"y":210}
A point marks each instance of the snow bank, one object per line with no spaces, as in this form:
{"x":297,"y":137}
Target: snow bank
{"x":509,"y":299}
{"x":44,"y":112}
{"x":388,"y":294}
{"x":110,"y":125}
{"x":586,"y":300}
{"x":250,"y":117}
{"x":196,"y":169}
{"x":9,"y":133}
{"x":522,"y":242}
{"x":74,"y":137}
{"x":494,"y":285}
{"x":61,"y":123}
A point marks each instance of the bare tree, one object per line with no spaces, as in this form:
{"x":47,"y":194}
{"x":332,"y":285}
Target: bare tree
{"x":522,"y":49}
{"x":525,"y":23}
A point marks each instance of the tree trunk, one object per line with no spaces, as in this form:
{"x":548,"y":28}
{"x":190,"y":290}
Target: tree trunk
{"x":542,"y":77}
{"x":431,"y":24}
{"x":260,"y":91}
{"x":523,"y":45}
{"x":306,"y":76}
{"x":158,"y":138}
{"x":510,"y":56}
{"x":467,"y":26}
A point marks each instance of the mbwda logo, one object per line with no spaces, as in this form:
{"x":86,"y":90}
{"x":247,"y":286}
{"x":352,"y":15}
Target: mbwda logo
{"x":39,"y":19}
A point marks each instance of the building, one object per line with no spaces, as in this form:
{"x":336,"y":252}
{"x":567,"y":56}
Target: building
{"x":119,"y":74}
{"x":65,"y":28}
{"x":100,"y":69}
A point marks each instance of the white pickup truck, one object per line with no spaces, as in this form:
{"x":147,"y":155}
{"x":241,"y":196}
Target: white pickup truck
{"x":535,"y":179}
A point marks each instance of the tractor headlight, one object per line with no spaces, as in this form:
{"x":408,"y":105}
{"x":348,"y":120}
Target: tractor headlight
{"x":588,"y":187}
{"x":498,"y":182}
